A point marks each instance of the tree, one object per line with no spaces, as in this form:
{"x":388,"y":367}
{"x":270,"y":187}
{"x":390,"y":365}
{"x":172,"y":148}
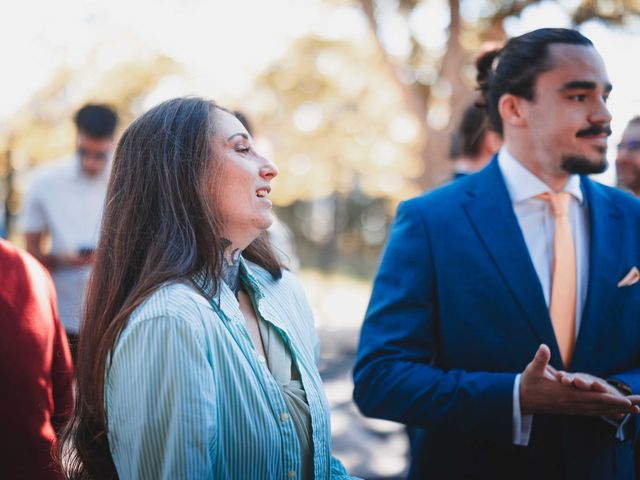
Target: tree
{"x":335,"y":122}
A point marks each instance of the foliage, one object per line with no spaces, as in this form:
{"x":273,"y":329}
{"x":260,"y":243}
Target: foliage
{"x":335,"y":122}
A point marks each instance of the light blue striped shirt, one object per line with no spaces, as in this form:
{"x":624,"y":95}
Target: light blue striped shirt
{"x":187,"y":397}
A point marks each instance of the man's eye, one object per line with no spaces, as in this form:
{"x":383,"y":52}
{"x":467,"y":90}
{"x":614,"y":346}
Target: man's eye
{"x":631,"y":145}
{"x":578,"y":98}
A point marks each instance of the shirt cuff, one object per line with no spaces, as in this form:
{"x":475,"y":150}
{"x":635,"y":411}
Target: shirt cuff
{"x":521,"y":423}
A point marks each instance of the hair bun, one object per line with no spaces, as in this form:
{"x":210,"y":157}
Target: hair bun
{"x":485,"y":67}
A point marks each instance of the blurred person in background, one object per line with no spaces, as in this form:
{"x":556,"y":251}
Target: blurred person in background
{"x":280,"y":235}
{"x":473,"y":143}
{"x":198,"y":355}
{"x":35,"y":369}
{"x":628,"y":158}
{"x":3,"y":218}
{"x":63,"y":207}
{"x":503,"y":321}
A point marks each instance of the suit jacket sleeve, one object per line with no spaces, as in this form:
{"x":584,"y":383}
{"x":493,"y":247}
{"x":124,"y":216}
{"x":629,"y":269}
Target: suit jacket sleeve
{"x":631,"y":378}
{"x":397,"y":376}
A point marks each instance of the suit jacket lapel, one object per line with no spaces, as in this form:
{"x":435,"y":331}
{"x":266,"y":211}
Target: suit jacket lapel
{"x":489,"y":209}
{"x":605,"y":236}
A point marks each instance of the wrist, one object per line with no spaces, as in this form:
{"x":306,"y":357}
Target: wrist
{"x":523,"y":400}
{"x":622,"y":387}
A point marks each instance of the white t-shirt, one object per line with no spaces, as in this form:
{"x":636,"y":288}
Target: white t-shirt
{"x":67,"y":203}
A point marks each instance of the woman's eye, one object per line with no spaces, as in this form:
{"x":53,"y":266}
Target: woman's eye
{"x":242,"y":149}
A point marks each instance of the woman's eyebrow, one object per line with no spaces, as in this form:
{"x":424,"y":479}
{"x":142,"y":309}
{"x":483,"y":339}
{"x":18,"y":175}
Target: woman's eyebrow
{"x":241,"y":134}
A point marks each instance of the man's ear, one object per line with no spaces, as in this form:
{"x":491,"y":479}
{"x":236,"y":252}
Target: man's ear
{"x":512,"y":110}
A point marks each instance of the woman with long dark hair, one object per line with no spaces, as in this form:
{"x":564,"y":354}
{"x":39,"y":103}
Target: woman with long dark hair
{"x":197,"y":356}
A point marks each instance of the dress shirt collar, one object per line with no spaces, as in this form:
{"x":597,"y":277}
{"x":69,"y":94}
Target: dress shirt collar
{"x":523,"y":185}
{"x":225,"y":296}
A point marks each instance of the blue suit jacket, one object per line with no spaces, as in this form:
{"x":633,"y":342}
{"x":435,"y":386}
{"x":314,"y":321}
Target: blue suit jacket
{"x":457,"y":311}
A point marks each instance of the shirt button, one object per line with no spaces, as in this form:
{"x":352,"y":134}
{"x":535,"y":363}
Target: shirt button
{"x":284,"y":416}
{"x":261,"y":359}
{"x":291,"y":474}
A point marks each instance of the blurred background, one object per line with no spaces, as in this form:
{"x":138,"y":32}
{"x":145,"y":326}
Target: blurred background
{"x":354,"y":100}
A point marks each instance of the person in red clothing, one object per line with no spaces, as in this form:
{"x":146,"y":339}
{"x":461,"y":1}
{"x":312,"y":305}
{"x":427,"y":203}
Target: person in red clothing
{"x":36,"y":373}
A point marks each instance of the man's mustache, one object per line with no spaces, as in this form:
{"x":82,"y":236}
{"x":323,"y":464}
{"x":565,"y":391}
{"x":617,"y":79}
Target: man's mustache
{"x":594,"y":130}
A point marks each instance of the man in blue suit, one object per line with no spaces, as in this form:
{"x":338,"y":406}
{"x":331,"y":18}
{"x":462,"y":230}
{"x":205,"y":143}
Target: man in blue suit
{"x":504,"y":321}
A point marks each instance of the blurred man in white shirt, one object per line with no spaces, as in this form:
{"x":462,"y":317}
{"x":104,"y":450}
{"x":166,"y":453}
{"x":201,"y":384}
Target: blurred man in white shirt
{"x":64,"y":206}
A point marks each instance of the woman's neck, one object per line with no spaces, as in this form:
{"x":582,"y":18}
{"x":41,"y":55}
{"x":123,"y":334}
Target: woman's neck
{"x":231,"y":266}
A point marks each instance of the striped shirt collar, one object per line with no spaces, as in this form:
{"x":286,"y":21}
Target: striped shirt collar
{"x":224,"y":296}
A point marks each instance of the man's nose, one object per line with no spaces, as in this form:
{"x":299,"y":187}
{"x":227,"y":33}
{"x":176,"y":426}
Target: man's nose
{"x":601,"y":114}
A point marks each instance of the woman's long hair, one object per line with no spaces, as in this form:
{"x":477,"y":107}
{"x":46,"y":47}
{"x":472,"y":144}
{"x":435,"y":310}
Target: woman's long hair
{"x":159,"y":225}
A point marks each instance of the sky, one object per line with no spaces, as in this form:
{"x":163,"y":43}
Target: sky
{"x":221,"y":44}
{"x":224,"y":44}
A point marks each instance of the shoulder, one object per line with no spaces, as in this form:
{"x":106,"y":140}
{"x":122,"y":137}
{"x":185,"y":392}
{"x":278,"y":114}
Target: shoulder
{"x":447,"y":195}
{"x":63,"y":168}
{"x":175,"y":304}
{"x":437,"y":205}
{"x":43,"y":176}
{"x":622,"y":200}
{"x":18,"y":261}
{"x":15,"y":264}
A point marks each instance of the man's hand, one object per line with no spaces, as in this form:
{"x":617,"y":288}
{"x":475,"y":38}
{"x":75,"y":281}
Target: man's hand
{"x":588,"y":382}
{"x":543,"y":390}
{"x":34,"y":242}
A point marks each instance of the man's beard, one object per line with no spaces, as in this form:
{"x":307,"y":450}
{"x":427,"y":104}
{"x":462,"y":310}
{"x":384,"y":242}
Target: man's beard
{"x":582,"y":165}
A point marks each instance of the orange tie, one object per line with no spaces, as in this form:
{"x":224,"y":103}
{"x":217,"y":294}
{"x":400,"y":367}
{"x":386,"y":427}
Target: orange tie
{"x":563,"y":281}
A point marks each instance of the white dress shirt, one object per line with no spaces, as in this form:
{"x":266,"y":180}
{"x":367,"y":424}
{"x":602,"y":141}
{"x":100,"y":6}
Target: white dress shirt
{"x":537,"y":223}
{"x":67,"y":204}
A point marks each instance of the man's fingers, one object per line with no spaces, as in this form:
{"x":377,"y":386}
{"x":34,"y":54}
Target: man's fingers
{"x":569,"y":379}
{"x":550,"y":373}
{"x":588,"y":384}
{"x":604,"y":410}
{"x":565,"y":378}
{"x":608,"y":399}
{"x":541,"y":360}
{"x":583,"y":382}
{"x":599,"y":386}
